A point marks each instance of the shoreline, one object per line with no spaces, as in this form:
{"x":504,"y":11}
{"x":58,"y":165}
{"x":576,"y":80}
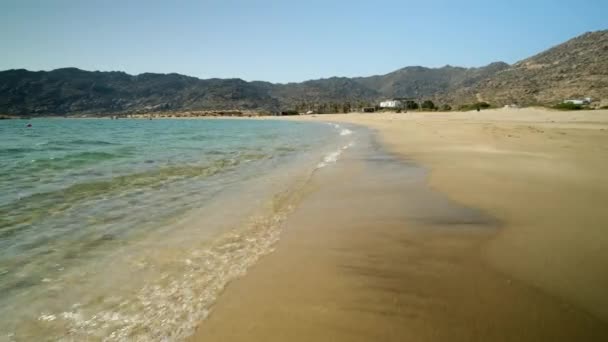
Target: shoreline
{"x":247,"y":114}
{"x":499,"y":300}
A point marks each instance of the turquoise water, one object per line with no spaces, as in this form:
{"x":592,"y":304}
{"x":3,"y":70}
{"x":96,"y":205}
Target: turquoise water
{"x":128,"y":229}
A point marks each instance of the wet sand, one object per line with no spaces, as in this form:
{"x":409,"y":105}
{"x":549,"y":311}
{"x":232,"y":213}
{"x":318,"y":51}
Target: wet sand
{"x":466,"y":249}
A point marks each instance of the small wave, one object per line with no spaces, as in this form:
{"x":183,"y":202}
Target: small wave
{"x":15,"y":215}
{"x":17,"y":150}
{"x":92,"y":155}
{"x":88,"y":142}
{"x":333,"y":156}
{"x":170,"y":308}
{"x":70,"y":161}
{"x":330,"y":158}
{"x":216,"y":152}
{"x":343,"y":131}
{"x":63,"y":144}
{"x":286,"y":149}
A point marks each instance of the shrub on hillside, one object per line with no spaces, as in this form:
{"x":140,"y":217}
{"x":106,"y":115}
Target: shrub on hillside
{"x":568,"y":106}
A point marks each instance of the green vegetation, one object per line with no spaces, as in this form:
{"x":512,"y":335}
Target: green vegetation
{"x":346,"y":107}
{"x":446,"y":108}
{"x":568,"y":106}
{"x":474,"y":106}
{"x":328,"y":107}
{"x":428,"y":104}
{"x":409,"y":104}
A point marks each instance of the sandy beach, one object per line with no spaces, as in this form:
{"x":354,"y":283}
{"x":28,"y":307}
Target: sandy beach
{"x":440,"y":226}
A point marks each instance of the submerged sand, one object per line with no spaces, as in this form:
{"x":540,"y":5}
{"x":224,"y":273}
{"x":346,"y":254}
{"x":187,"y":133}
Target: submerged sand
{"x":503,"y":239}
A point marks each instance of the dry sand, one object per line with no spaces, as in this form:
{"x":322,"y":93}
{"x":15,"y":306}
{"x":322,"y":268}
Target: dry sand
{"x":374,"y":253}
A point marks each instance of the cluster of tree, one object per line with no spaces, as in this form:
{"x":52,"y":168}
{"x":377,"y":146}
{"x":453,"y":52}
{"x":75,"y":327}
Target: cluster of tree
{"x":427,"y":105}
{"x":568,"y":106}
{"x":290,"y":112}
{"x":474,"y":106}
{"x":410,"y":104}
{"x":347,"y":107}
{"x":331,"y":107}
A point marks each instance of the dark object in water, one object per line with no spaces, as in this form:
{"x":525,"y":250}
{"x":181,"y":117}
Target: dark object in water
{"x":28,"y":125}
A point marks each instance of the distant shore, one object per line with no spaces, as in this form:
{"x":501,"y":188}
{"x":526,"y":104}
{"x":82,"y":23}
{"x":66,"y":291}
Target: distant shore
{"x":537,"y":273}
{"x":193,"y":114}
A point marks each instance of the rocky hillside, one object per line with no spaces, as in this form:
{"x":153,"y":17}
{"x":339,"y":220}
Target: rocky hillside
{"x":576,"y":68}
{"x":71,"y":91}
{"x":422,"y":83}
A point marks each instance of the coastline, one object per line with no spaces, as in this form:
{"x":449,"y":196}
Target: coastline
{"x":372,"y":272}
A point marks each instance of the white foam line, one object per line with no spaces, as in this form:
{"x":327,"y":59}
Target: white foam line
{"x":343,"y":131}
{"x":346,"y":131}
{"x":333,"y":156}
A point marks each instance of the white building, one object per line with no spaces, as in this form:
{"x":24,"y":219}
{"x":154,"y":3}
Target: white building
{"x":586,"y":100}
{"x":391,"y":104}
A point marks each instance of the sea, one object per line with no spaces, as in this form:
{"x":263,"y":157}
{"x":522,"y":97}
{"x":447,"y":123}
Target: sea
{"x":129,"y":230}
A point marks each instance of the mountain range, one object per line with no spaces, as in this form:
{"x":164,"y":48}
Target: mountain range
{"x":576,"y":68}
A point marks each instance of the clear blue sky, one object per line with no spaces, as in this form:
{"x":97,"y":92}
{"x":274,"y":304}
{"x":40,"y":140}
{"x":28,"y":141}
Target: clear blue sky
{"x":283,"y":41}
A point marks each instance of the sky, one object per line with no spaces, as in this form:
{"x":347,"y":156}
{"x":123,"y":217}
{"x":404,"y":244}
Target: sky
{"x":284,"y":41}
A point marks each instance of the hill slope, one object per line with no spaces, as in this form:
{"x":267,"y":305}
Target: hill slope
{"x":420,"y":82}
{"x":70,"y":90}
{"x":576,"y":68}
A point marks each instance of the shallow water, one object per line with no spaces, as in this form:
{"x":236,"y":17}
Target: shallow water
{"x":129,"y":229}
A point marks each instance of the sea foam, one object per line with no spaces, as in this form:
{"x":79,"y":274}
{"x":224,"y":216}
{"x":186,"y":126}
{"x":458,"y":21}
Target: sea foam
{"x":332,"y":157}
{"x":346,"y":131}
{"x":343,"y":131}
